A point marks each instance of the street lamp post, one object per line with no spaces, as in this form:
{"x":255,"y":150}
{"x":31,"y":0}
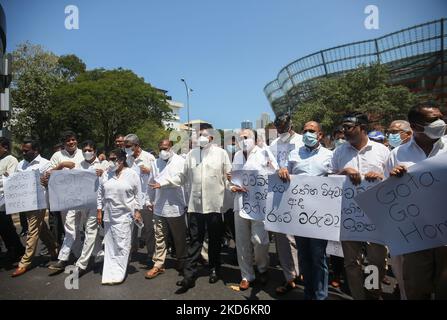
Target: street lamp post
{"x":187,"y":98}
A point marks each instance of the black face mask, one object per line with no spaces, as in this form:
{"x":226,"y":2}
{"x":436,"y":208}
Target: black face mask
{"x":29,"y":156}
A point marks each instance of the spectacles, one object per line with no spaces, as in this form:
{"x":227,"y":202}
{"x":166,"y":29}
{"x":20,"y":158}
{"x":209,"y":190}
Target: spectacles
{"x":347,"y":127}
{"x":112,"y":158}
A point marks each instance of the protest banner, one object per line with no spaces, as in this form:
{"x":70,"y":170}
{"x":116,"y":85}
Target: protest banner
{"x":254,"y":200}
{"x":73,"y":189}
{"x":23,"y":192}
{"x":409,"y":212}
{"x":306,"y":206}
{"x":355,"y":224}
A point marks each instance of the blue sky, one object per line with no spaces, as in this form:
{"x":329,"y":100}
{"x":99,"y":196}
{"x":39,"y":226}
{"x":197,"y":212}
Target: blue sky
{"x":227,"y":50}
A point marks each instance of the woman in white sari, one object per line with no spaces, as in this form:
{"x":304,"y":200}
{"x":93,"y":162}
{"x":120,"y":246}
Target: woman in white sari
{"x":118,"y":205}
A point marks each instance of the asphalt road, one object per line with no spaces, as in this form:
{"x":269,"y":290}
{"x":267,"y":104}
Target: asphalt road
{"x":38,"y":284}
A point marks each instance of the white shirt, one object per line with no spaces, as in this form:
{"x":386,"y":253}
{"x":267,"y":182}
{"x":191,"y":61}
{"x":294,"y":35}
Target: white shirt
{"x":119,"y":197}
{"x":372,"y":157}
{"x":96,"y":164}
{"x":7,"y":164}
{"x":205,"y":170}
{"x":63,"y":155}
{"x":38,"y":163}
{"x":260,"y":160}
{"x":410,"y":153}
{"x":168,"y":201}
{"x":143,"y":159}
{"x":311,"y":162}
{"x":277,"y":147}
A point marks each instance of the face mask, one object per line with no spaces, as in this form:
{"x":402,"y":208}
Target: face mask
{"x":29,"y":156}
{"x":394,"y":140}
{"x":435,"y":130}
{"x":165,"y":155}
{"x":203,"y":141}
{"x":129,"y":151}
{"x":231,"y":148}
{"x":339,"y":142}
{"x":284,"y":136}
{"x":88,"y":155}
{"x":310,"y":139}
{"x":247,"y":144}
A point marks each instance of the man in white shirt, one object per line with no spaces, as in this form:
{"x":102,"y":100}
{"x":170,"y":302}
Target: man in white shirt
{"x":8,"y":165}
{"x":399,"y":132}
{"x":169,"y":208}
{"x":37,"y":227}
{"x":141,"y":162}
{"x":251,"y":234}
{"x":92,"y":242}
{"x":206,"y":169}
{"x":424,"y":272}
{"x":360,"y":158}
{"x":312,"y":159}
{"x":68,"y":158}
{"x":281,"y":147}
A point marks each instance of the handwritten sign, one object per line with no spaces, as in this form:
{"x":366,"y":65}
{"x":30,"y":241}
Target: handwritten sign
{"x":73,"y":189}
{"x":23,"y":192}
{"x":355,"y":224}
{"x":306,"y":206}
{"x":251,"y":204}
{"x":410,"y":212}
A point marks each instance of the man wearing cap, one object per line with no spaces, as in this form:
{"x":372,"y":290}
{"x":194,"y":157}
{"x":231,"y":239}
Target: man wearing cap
{"x":376,"y":136}
{"x":359,"y":159}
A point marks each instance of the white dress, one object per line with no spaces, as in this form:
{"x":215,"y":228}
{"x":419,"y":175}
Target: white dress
{"x":118,"y":198}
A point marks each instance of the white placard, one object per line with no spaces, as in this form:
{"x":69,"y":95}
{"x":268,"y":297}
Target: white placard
{"x":73,"y":189}
{"x":306,"y":206}
{"x":355,"y":224}
{"x":23,"y":192}
{"x":410,"y":212}
{"x":254,"y":200}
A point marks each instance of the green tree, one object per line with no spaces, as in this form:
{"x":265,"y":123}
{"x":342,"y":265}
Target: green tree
{"x":100,"y":103}
{"x":151,"y":133}
{"x":365,"y":89}
{"x":35,"y":78}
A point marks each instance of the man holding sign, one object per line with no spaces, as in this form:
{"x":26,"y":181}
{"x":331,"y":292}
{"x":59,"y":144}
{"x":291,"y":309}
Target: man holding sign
{"x":359,"y":159}
{"x":423,"y":272}
{"x":37,"y":227}
{"x":68,"y":158}
{"x":249,"y":222}
{"x":312,"y":160}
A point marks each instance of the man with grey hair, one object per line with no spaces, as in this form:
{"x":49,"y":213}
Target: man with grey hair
{"x":399,"y":132}
{"x":141,"y":161}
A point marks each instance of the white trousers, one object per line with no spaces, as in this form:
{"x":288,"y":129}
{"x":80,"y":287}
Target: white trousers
{"x":72,"y":238}
{"x":92,"y":242}
{"x":251,"y":236}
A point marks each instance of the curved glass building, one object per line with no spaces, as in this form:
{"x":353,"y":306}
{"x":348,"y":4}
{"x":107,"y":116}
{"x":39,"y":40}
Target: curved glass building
{"x":416,"y":58}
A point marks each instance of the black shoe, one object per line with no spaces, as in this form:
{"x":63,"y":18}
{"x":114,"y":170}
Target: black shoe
{"x":213,"y":276}
{"x":263,"y":278}
{"x":58,"y":266}
{"x":185,"y":285}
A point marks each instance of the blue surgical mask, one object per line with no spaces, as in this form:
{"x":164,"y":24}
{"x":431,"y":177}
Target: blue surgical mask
{"x":231,"y":148}
{"x":310,"y":139}
{"x":394,"y":140}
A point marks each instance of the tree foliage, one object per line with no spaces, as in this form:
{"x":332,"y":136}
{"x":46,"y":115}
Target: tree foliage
{"x":51,"y":94}
{"x":365,"y":89}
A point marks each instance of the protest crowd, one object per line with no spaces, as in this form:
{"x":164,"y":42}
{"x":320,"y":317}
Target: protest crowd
{"x":101,"y":208}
